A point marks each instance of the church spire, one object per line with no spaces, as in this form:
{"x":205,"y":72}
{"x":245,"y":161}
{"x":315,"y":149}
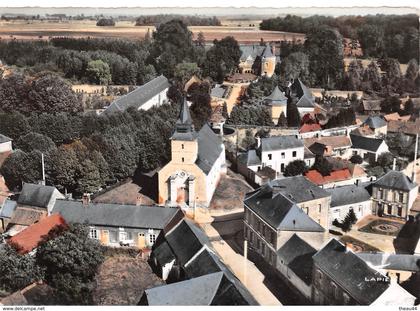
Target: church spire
{"x":184,"y":127}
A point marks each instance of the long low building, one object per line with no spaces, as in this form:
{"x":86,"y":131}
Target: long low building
{"x":115,"y":224}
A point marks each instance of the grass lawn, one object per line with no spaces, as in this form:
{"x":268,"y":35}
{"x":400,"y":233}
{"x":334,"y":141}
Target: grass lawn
{"x":383,"y":226}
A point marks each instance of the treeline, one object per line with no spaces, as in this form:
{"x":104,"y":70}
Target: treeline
{"x":189,"y":20}
{"x":105,"y":22}
{"x":86,"y":152}
{"x":394,"y":36}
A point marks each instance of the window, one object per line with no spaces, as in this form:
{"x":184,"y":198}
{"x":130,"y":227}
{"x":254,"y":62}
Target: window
{"x":182,"y":160}
{"x":319,"y":207}
{"x":113,"y":236}
{"x":294,"y":154}
{"x":182,"y":146}
{"x":389,"y":211}
{"x":282,"y":155}
{"x":399,"y":211}
{"x":346,"y":298}
{"x":123,"y":236}
{"x":152,"y":238}
{"x":334,"y":291}
{"x":380,"y":193}
{"x":282,"y":167}
{"x":270,"y":156}
{"x":401,"y":197}
{"x":93,"y":233}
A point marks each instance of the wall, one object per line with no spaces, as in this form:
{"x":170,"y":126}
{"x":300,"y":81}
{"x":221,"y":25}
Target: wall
{"x":277,"y":160}
{"x":313,"y":210}
{"x":361,"y":209}
{"x":156,"y":100}
{"x":276,"y":112}
{"x":289,"y":275}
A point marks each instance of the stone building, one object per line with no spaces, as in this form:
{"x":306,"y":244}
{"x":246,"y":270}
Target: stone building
{"x":393,"y":195}
{"x":260,"y":60}
{"x":196,"y":166}
{"x":277,"y":102}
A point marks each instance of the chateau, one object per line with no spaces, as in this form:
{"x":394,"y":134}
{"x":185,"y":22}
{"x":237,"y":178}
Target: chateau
{"x":259,"y":60}
{"x":197,"y":163}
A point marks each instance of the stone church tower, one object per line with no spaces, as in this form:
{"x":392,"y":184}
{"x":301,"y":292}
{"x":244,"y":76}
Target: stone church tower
{"x":268,"y":62}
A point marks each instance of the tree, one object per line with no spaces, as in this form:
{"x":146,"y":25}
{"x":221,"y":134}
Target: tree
{"x":184,"y":71}
{"x":172,"y":44}
{"x":294,"y":168}
{"x":372,"y":78}
{"x":199,"y":95}
{"x":295,"y":66}
{"x":249,"y":140}
{"x":282,"y":122}
{"x":325,"y":51}
{"x":17,"y":271}
{"x":352,"y":216}
{"x":50,"y":93}
{"x":356,"y":159}
{"x":353,"y":76}
{"x":322,"y":166}
{"x":412,"y":70}
{"x":105,"y":22}
{"x":391,"y":104}
{"x":201,"y":40}
{"x":222,"y":58}
{"x":293,"y":115}
{"x":35,"y":141}
{"x":14,"y":125}
{"x":71,"y":260}
{"x":98,"y":72}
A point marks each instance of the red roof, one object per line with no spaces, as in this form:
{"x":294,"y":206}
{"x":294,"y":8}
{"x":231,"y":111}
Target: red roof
{"x":317,"y":178}
{"x":28,"y":239}
{"x":310,"y":128}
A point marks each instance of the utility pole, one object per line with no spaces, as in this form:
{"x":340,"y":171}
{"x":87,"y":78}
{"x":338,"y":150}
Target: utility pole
{"x":43,"y":169}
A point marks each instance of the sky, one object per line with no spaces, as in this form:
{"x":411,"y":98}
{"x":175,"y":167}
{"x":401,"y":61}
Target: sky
{"x":208,"y":3}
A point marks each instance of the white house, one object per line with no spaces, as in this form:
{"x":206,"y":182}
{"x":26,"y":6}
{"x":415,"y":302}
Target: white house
{"x":5,"y":144}
{"x":345,"y":198}
{"x":151,"y":94}
{"x":368,"y":148}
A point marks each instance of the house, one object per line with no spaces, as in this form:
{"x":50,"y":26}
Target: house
{"x":28,"y":239}
{"x":308,"y":157}
{"x":208,"y":290}
{"x":302,"y":97}
{"x":310,"y":129}
{"x":294,"y":262}
{"x":257,"y":59}
{"x":151,"y":94}
{"x":340,"y":277}
{"x":395,"y":116}
{"x":313,"y":200}
{"x":5,"y":148}
{"x":6,"y":212}
{"x":371,"y":107}
{"x":368,"y":148}
{"x":184,"y":252}
{"x":393,"y":195}
{"x":196,"y":166}
{"x":378,"y":125}
{"x":271,"y":218}
{"x":348,"y":197}
{"x":275,"y":152}
{"x":334,"y":146}
{"x":118,"y":225}
{"x":277,"y":102}
{"x":410,"y":128}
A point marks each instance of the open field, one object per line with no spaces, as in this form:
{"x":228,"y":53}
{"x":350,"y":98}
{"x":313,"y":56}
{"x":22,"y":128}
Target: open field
{"x":43,"y":30}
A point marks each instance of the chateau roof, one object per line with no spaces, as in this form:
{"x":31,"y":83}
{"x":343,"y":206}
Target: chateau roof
{"x":395,"y":180}
{"x":276,"y":97}
{"x":267,"y":51}
{"x":140,"y":95}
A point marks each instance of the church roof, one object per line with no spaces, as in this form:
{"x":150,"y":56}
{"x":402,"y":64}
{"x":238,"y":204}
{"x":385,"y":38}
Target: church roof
{"x":209,"y":148}
{"x":184,"y":127}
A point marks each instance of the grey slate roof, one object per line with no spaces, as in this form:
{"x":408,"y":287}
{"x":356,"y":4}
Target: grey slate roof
{"x":280,"y":143}
{"x":115,"y":215}
{"x":209,"y":148}
{"x":395,"y":180}
{"x":251,"y":50}
{"x":140,"y":95}
{"x":267,"y":51}
{"x":8,"y":209}
{"x":375,"y":122}
{"x":365,"y":143}
{"x":276,"y":98}
{"x":297,"y":255}
{"x":298,"y":189}
{"x":279,"y":211}
{"x":198,"y":291}
{"x":350,"y":272}
{"x":349,"y":194}
{"x":305,"y":102}
{"x":303,"y":93}
{"x":402,"y":262}
{"x":218,"y":91}
{"x":184,"y":127}
{"x":36,"y":195}
{"x":4,"y":139}
{"x":253,"y":158}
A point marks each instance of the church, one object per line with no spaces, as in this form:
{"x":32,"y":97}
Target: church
{"x":196,"y":166}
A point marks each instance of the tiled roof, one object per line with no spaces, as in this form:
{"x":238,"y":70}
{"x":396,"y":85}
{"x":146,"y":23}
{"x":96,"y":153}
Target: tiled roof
{"x":406,"y":127}
{"x":115,"y":215}
{"x":349,"y":194}
{"x":372,"y":105}
{"x":363,"y":131}
{"x":375,"y":122}
{"x":276,"y":97}
{"x":279,"y":211}
{"x":140,"y":95}
{"x":8,"y":208}
{"x":280,"y":143}
{"x":395,"y":180}
{"x":396,"y":117}
{"x":209,"y":148}
{"x":341,"y":141}
{"x":27,"y":216}
{"x":310,"y":128}
{"x":36,"y":195}
{"x":335,"y":176}
{"x":351,"y":272}
{"x":365,"y":143}
{"x":28,"y":239}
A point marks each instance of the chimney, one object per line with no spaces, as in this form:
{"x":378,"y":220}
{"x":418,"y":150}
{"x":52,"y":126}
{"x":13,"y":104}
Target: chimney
{"x":394,"y":164}
{"x":86,"y":199}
